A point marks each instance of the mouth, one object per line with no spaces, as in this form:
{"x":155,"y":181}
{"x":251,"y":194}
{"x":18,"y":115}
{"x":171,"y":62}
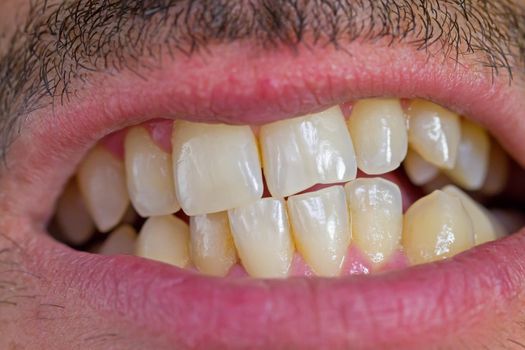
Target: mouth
{"x":299,"y":200}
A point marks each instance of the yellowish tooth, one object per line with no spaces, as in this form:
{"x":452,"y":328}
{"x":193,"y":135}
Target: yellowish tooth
{"x":73,"y":219}
{"x":262,"y":236}
{"x":212,"y":249}
{"x":498,"y":172}
{"x":216,"y":167}
{"x":120,"y":241}
{"x":301,"y":152}
{"x":472,"y":161}
{"x":376,"y":212}
{"x":165,"y":239}
{"x":436,"y":227}
{"x":321,"y":229}
{"x":434,"y":132}
{"x":418,"y":170}
{"x":102,"y":182}
{"x":379,"y":133}
{"x":149,"y":174}
{"x":437,"y":183}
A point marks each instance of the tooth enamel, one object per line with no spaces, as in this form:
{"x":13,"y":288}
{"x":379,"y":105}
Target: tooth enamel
{"x":149,"y":175}
{"x":120,"y":241}
{"x":484,"y":230}
{"x":498,"y":172}
{"x":212,"y":249}
{"x":216,"y":167}
{"x":321,"y":228}
{"x":471,"y":165}
{"x":73,"y":219}
{"x":434,"y":133}
{"x":301,"y":152}
{"x":165,"y":239}
{"x":376,"y":213}
{"x":436,"y":227}
{"x":102,"y":182}
{"x":379,"y":134}
{"x":262,"y":236}
{"x":418,"y":170}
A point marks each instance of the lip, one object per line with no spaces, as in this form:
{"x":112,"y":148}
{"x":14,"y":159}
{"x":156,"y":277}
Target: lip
{"x":376,"y":311}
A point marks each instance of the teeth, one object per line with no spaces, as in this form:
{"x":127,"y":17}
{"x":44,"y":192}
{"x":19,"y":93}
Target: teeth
{"x":376,"y":213}
{"x":471,"y":166}
{"x":379,"y":134}
{"x":216,"y":167}
{"x":262,"y":236}
{"x":102,"y":181}
{"x":73,"y":219}
{"x":120,"y":241}
{"x":212,"y":248}
{"x":149,"y":175}
{"x":418,"y":170}
{"x":434,"y":133}
{"x":301,"y":152}
{"x":321,"y":228}
{"x":165,"y":239}
{"x":498,"y":173}
{"x":436,"y":227}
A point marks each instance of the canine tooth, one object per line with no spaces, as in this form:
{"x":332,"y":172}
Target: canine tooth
{"x":73,"y":219}
{"x":379,"y":134}
{"x":418,"y":170}
{"x":166,"y":239}
{"x":471,"y":165}
{"x":102,"y":182}
{"x":376,"y":213}
{"x":262,"y":236}
{"x":149,"y":174}
{"x":120,"y":241}
{"x":434,"y":132}
{"x":211,"y":244}
{"x":321,"y":228}
{"x":216,"y":167}
{"x":301,"y":152}
{"x":498,"y":172}
{"x":436,"y":227}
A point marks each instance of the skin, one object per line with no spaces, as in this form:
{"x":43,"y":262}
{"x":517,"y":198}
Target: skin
{"x":35,"y":313}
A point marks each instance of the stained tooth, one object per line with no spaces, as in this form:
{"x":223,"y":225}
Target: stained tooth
{"x":212,"y":249}
{"x":484,"y":230}
{"x":321,"y":228}
{"x":165,"y":239}
{"x":149,"y":175}
{"x":216,"y":167}
{"x":434,"y":133}
{"x":436,"y":227}
{"x":120,"y":241}
{"x":301,"y":152}
{"x":379,"y":134}
{"x":498,"y":172}
{"x":102,"y":182}
{"x":471,"y":165}
{"x":262,"y":236}
{"x":418,"y":170}
{"x":376,"y":213}
{"x":73,"y":219}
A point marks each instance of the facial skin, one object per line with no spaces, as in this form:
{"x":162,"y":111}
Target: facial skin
{"x":81,"y":56}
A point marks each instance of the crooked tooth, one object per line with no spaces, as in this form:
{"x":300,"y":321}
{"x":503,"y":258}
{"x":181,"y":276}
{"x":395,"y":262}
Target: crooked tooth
{"x":216,"y":167}
{"x":471,"y":165}
{"x":120,"y":241}
{"x":498,"y":172}
{"x":102,"y":182}
{"x":418,"y":170}
{"x":165,"y":239}
{"x":434,"y":133}
{"x":379,"y":134}
{"x":149,"y":174}
{"x":262,"y":236}
{"x":73,"y":219}
{"x":321,"y":228}
{"x":436,"y":227}
{"x":376,"y":213}
{"x":301,"y":152}
{"x":211,"y":246}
